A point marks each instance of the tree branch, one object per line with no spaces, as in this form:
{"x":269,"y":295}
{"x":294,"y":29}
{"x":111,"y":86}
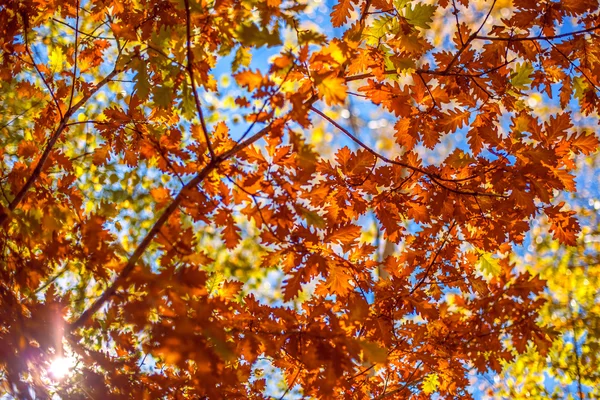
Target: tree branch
{"x":50,"y":145}
{"x":139,"y":251}
{"x":75,"y":56}
{"x":469,"y":40}
{"x":539,"y":37}
{"x":433,"y":72}
{"x":190,"y":69}
{"x":131,"y":263}
{"x":436,"y":179}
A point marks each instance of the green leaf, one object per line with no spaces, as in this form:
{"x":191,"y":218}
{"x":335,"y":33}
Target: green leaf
{"x":163,"y":95}
{"x":379,"y":28}
{"x":420,"y":15}
{"x":142,"y":84}
{"x":403,"y":64}
{"x":187,"y":102}
{"x":309,"y":36}
{"x":580,"y":85}
{"x":520,"y":78}
{"x":250,"y":34}
{"x":242,"y":58}
{"x":161,"y":38}
{"x":400,"y":4}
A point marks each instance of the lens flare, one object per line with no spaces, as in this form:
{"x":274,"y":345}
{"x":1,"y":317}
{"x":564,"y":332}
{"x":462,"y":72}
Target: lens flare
{"x":61,"y":367}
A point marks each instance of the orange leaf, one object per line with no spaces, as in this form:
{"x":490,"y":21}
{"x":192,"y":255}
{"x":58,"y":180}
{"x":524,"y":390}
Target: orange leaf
{"x":341,"y":12}
{"x":248,"y":79}
{"x":455,"y":119}
{"x":344,"y":235}
{"x":293,"y":285}
{"x":160,"y":195}
{"x":339,"y":280}
{"x":585,"y":143}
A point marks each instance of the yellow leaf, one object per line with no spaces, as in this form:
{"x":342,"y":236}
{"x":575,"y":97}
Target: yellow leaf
{"x":430,"y":383}
{"x":488,"y":265}
{"x":333,"y":89}
{"x":56,"y":59}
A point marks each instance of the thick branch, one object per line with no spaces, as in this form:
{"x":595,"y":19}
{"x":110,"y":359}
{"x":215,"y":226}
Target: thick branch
{"x":139,"y":251}
{"x":50,"y":145}
{"x":131,"y":263}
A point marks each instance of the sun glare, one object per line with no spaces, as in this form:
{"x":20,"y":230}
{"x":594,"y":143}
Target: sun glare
{"x":61,"y":367}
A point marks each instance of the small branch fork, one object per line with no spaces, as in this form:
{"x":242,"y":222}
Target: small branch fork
{"x":470,"y":39}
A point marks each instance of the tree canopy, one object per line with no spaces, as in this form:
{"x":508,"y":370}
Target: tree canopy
{"x":570,"y":369}
{"x":300,"y":199}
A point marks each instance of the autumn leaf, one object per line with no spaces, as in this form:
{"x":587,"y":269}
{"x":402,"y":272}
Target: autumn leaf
{"x":520,"y":79}
{"x":489,"y":265}
{"x":231,"y":234}
{"x":575,"y":7}
{"x":431,"y":383}
{"x":339,"y":279}
{"x":344,"y":235}
{"x":160,"y":195}
{"x":558,"y":126}
{"x":373,"y":352}
{"x":563,"y":225}
{"x":293,"y":285}
{"x":586,"y":143}
{"x":56,"y":58}
{"x":453,"y":120}
{"x":419,"y":14}
{"x":333,"y":89}
{"x":230,"y":289}
{"x":341,"y":12}
{"x":249,"y":79}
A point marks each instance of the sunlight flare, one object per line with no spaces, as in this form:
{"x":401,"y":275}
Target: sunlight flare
{"x":61,"y":367}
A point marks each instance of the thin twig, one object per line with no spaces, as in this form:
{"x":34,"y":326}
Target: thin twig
{"x":436,"y":179}
{"x":75,"y":56}
{"x":190,"y":69}
{"x":56,"y":103}
{"x":433,"y":72}
{"x":290,"y":386}
{"x":573,"y":65}
{"x":470,"y":39}
{"x":539,"y":37}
